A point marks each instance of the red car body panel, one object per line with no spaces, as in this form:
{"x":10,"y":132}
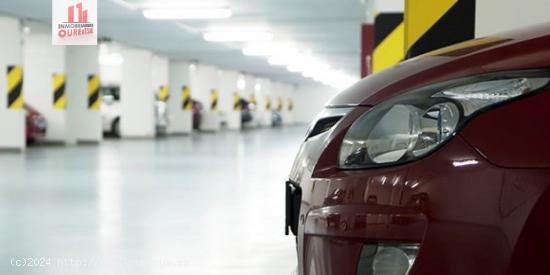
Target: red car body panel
{"x":530,"y":129}
{"x":477,"y":205}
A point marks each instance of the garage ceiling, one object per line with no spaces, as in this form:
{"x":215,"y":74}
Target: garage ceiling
{"x":330,"y":29}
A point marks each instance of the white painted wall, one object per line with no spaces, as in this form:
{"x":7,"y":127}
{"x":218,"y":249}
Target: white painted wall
{"x":12,"y":122}
{"x":111,"y":73}
{"x":137,"y":101}
{"x":309,"y":101}
{"x":389,"y":6}
{"x":493,"y":16}
{"x":41,"y":61}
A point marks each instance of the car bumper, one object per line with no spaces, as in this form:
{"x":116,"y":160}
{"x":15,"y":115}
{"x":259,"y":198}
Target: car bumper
{"x":465,"y":213}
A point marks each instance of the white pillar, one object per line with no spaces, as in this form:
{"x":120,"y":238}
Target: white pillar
{"x":12,"y":120}
{"x":277,"y":94}
{"x":286,"y":92}
{"x":83,"y":116}
{"x":204,"y":80}
{"x":493,"y":16}
{"x":41,"y":62}
{"x":161,"y":92}
{"x":181,"y":119}
{"x":264,"y":99}
{"x":247,"y":93}
{"x":228,"y":89}
{"x":291,"y":104}
{"x":137,"y":100}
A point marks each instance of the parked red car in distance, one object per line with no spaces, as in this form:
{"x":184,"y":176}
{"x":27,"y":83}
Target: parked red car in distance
{"x":36,"y":124}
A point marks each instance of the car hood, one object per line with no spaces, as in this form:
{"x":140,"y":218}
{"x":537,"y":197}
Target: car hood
{"x":520,"y":49}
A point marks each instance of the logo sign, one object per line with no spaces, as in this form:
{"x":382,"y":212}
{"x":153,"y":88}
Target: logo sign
{"x":74,"y":22}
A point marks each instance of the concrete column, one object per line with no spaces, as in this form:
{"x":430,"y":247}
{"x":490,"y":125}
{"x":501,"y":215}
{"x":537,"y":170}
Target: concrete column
{"x":180,"y":116}
{"x":494,"y":16}
{"x":159,"y":71}
{"x":162,"y":91}
{"x":265,"y":102}
{"x":277,"y":98}
{"x":287,"y":92}
{"x":204,"y":80}
{"x":248,"y":94}
{"x":292,"y":103}
{"x":83,"y":115}
{"x":228,"y":88}
{"x":42,"y":62}
{"x":137,"y":96}
{"x":12,"y":119}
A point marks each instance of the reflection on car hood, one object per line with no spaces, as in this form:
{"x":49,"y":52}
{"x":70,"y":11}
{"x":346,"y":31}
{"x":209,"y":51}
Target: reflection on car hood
{"x":521,"y":49}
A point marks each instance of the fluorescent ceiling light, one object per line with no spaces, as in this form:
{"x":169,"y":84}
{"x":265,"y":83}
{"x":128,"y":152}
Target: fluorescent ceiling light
{"x":179,"y":4}
{"x":294,"y":67}
{"x":279,"y":60}
{"x":286,"y":50}
{"x":258,"y":50}
{"x":238,"y":36}
{"x":198,"y":13}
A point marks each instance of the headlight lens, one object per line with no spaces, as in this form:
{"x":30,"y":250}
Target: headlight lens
{"x":387,"y":259}
{"x":414,"y":124}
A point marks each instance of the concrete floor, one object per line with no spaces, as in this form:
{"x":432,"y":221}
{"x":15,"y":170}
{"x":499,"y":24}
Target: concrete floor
{"x":200,"y":204}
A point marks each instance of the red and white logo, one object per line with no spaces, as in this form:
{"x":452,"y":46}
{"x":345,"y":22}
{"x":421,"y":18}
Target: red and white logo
{"x":74,"y":22}
{"x":82,"y":14}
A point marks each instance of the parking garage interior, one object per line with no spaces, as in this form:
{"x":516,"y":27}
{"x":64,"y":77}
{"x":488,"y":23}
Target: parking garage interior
{"x":164,"y":144}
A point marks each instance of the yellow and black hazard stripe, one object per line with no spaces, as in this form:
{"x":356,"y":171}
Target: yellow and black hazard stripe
{"x":430,"y":25}
{"x":214,"y":100}
{"x":186,"y":102}
{"x":253,"y":100}
{"x":164,"y":93}
{"x":290,"y":104}
{"x":268,"y":103}
{"x":279,"y":104}
{"x":15,"y":87}
{"x":236,"y":101}
{"x":59,"y":97}
{"x":94,"y":100}
{"x":389,"y":41}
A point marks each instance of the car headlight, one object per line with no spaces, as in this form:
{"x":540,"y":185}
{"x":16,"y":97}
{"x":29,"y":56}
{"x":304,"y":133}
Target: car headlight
{"x":412,"y":125}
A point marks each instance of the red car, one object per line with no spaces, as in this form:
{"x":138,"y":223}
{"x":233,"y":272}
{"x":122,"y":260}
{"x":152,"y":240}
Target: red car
{"x":437,"y":166}
{"x":35,"y":124}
